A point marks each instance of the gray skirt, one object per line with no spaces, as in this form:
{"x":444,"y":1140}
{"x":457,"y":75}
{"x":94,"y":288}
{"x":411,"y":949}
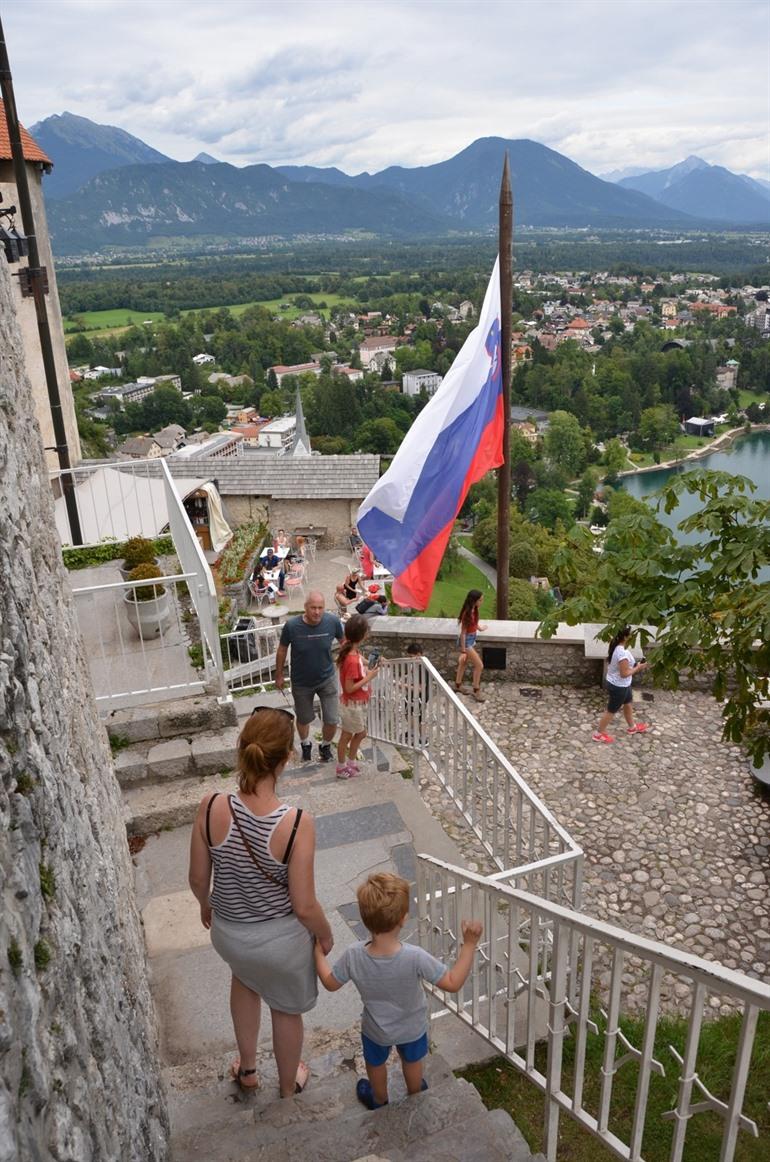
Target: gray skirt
{"x":273,"y":958}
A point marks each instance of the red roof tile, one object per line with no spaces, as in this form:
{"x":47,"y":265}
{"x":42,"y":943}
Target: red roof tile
{"x":32,"y":151}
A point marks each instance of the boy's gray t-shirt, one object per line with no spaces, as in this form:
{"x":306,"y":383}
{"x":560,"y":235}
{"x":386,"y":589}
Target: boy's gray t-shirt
{"x":311,"y":649}
{"x":395,"y":1008}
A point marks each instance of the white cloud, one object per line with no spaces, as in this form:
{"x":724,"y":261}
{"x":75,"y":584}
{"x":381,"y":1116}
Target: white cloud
{"x":369,"y":84}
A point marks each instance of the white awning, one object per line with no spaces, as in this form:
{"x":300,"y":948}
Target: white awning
{"x":115,"y":505}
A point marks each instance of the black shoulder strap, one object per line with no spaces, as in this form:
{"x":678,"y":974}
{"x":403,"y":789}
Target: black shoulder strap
{"x":208,"y":817}
{"x":290,"y":844}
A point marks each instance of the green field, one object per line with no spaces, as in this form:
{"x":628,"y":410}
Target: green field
{"x":99,"y":323}
{"x":450,"y":592}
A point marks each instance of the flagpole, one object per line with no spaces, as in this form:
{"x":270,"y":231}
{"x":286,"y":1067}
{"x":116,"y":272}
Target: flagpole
{"x":506,"y":312}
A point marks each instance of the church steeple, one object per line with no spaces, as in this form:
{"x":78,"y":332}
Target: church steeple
{"x":301,"y":445}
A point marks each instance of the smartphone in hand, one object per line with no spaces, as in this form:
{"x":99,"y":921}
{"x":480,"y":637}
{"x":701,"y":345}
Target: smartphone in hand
{"x":374,"y":659}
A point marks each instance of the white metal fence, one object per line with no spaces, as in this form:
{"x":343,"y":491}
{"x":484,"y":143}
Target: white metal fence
{"x":130,"y":665}
{"x":249,"y":656}
{"x":412,"y":706}
{"x":539,"y":973}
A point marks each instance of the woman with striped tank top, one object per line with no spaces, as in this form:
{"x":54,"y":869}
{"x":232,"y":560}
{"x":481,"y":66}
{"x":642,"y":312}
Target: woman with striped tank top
{"x":262,"y":909}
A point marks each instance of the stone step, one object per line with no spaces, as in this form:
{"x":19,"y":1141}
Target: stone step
{"x":491,"y":1137}
{"x":330,"y":1117}
{"x":181,"y":717}
{"x":158,"y":761}
{"x":203,"y":1099}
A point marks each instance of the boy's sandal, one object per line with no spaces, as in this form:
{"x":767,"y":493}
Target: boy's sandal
{"x":239,"y":1075}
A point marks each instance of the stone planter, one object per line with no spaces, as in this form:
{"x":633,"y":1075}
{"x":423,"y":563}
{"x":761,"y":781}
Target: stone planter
{"x":149,"y":618}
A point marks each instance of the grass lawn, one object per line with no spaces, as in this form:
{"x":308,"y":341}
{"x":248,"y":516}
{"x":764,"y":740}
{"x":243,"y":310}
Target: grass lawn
{"x":503,"y":1087}
{"x":107,"y":322}
{"x":450,"y":592}
{"x":746,"y":397}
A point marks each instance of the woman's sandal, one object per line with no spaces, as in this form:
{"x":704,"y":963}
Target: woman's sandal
{"x":303,"y":1077}
{"x":239,"y":1075}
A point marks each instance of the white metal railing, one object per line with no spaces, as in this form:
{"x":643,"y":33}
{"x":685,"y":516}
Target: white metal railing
{"x":129,"y":665}
{"x":249,"y":657}
{"x":539,"y":974}
{"x":114,"y":501}
{"x":412,"y":706}
{"x":202,"y":589}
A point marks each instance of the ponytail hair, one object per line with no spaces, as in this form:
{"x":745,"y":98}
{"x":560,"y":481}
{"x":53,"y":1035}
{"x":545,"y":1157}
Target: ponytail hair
{"x":264,"y":743}
{"x":621,"y":636}
{"x":356,"y":629}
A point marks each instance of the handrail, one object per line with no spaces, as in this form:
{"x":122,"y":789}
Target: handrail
{"x":413,"y":707}
{"x":540,"y":968}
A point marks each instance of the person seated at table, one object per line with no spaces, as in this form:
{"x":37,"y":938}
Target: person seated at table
{"x":349,"y":591}
{"x":270,"y":558}
{"x":354,"y":538}
{"x":375,"y":604}
{"x":281,"y":540}
{"x":299,"y":548}
{"x":260,"y":586}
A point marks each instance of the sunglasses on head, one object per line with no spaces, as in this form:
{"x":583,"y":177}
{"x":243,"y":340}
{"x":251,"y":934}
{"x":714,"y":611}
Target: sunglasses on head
{"x":279,"y":709}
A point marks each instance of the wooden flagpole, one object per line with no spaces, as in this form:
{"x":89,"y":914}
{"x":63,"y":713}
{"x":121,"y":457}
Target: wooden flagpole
{"x":506,"y":312}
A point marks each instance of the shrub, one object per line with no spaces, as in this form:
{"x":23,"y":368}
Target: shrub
{"x":523,"y":560}
{"x":237,"y":556}
{"x":138,"y":551}
{"x":107,"y":550}
{"x":146,"y":573}
{"x":522,"y":600}
{"x":485,"y":539}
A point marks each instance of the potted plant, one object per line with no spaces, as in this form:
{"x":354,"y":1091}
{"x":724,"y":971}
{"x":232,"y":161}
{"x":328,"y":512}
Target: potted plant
{"x":147,"y":606}
{"x":137,"y":551}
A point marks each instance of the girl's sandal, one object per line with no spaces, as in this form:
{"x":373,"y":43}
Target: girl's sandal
{"x":239,"y":1077}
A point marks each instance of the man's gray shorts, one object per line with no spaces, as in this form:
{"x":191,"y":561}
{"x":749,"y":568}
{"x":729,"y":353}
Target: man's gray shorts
{"x":329,"y":696}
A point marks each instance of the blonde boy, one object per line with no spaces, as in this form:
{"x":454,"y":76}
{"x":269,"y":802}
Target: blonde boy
{"x":389,"y":976}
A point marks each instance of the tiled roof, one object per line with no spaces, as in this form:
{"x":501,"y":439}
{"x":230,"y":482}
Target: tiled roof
{"x":32,"y":151}
{"x":288,"y":478}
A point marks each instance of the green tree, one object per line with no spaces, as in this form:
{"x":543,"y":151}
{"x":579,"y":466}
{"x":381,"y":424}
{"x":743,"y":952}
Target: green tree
{"x":522,"y":600}
{"x":522,"y":561}
{"x":615,"y":457}
{"x":382,"y":435}
{"x":709,"y":610}
{"x":658,"y":426}
{"x":564,"y":442}
{"x":546,"y":506}
{"x":586,"y":490}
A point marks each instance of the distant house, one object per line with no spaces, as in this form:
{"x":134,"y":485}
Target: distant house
{"x":203,"y":358}
{"x":421,"y":380}
{"x":727,"y":375}
{"x":141,"y":448}
{"x":533,"y":415}
{"x":697,"y":426}
{"x":278,"y":434}
{"x":377,"y":345}
{"x":217,"y":447}
{"x":171,"y":437}
{"x":101,"y":372}
{"x":281,"y":370}
{"x":466,"y":309}
{"x":128,"y":392}
{"x":522,"y":353}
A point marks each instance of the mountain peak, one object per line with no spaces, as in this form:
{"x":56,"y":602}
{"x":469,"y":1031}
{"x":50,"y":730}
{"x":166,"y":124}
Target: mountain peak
{"x":206,"y":159}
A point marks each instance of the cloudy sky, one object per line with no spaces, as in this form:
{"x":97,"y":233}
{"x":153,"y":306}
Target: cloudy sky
{"x":362,"y":84}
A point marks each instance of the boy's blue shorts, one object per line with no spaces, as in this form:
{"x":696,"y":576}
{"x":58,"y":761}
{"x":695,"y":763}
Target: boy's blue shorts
{"x":375,"y":1054}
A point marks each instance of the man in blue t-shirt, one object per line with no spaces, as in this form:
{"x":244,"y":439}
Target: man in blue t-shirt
{"x":311,"y":637}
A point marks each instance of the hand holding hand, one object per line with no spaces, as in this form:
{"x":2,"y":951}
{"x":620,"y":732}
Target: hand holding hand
{"x":471,"y":930}
{"x":325,"y":945}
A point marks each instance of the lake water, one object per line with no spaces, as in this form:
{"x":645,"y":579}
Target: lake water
{"x":747,"y":456}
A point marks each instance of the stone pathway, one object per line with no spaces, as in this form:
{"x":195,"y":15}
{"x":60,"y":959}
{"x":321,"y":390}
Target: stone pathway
{"x":675,"y":833}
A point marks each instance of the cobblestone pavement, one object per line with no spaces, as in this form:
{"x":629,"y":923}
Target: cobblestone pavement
{"x":675,"y":833}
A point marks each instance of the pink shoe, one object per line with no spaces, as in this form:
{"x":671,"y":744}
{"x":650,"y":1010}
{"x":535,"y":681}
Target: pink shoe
{"x":354,"y":769}
{"x":600,"y":736}
{"x":342,"y":771}
{"x":639,"y":728}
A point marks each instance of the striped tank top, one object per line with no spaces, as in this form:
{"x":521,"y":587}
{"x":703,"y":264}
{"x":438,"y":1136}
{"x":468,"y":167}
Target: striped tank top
{"x":241,"y":891}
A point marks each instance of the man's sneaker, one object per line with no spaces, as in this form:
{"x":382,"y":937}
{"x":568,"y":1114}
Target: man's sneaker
{"x":307,"y":751}
{"x":640,"y":728}
{"x":325,"y":752}
{"x":600,"y":736}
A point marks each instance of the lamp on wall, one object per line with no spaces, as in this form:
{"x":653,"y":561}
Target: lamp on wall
{"x":14,"y":243}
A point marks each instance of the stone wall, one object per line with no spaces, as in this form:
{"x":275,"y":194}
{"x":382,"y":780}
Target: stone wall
{"x":79,"y":1071}
{"x":562,"y":660}
{"x":335,"y":515}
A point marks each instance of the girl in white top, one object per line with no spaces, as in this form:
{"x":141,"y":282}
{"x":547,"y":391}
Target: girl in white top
{"x":620,"y":672}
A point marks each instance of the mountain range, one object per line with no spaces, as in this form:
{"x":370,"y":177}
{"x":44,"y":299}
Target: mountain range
{"x":109,"y":188}
{"x":705,"y":191}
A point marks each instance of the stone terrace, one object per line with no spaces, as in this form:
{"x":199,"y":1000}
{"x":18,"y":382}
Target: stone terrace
{"x":675,"y":832}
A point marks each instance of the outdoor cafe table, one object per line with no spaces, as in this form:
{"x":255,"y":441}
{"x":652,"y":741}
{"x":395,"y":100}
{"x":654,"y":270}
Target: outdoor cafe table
{"x":281,"y":552}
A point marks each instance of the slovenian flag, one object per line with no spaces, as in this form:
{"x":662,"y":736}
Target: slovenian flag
{"x":408,"y":516}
